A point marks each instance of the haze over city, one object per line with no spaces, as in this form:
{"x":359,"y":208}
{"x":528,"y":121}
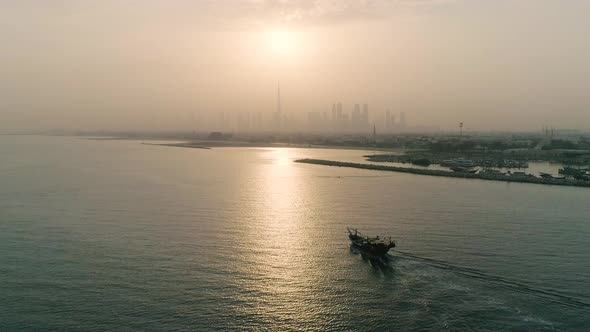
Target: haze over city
{"x":294,"y":165}
{"x":175,"y":65}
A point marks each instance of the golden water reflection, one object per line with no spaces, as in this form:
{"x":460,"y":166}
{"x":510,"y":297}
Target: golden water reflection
{"x":280,"y":267}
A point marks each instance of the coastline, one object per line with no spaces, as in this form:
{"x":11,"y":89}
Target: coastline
{"x":179,"y":145}
{"x":205,"y":144}
{"x":432,"y":172}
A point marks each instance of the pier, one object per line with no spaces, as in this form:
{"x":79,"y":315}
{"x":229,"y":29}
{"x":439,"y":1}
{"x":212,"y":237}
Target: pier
{"x":435,"y":172}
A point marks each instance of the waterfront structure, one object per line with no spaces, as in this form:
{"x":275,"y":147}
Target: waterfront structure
{"x":278,"y":115}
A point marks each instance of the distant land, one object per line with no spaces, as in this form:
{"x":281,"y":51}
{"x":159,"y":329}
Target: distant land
{"x":503,"y":156}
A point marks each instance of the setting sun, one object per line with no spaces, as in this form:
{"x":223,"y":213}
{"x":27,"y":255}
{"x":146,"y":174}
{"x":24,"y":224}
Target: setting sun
{"x":283,"y":42}
{"x":294,"y":165}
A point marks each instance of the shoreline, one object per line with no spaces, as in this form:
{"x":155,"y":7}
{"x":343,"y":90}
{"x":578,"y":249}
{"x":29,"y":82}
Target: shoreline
{"x":179,"y":145}
{"x":443,"y":173}
{"x":243,"y":144}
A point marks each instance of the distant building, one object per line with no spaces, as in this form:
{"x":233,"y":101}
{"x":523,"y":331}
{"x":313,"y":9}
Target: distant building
{"x":277,"y":118}
{"x":333,"y":112}
{"x":402,"y":120}
{"x":389,"y":121}
{"x":355,"y":119}
{"x":365,"y":117}
{"x":338,"y":121}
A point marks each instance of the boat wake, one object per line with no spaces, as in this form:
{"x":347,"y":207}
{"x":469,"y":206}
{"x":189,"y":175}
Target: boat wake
{"x":516,"y":286}
{"x":380,"y":264}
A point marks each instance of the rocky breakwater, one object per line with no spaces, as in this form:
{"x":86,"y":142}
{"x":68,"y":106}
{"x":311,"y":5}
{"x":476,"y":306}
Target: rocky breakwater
{"x":436,"y":172}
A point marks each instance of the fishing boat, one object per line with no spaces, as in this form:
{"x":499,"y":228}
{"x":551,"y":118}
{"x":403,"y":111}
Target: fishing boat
{"x":550,"y":176}
{"x":464,"y":170}
{"x":459,"y":162}
{"x":371,"y":245}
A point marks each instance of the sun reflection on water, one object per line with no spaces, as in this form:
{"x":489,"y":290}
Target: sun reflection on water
{"x":278,"y":250}
{"x":282,"y":156}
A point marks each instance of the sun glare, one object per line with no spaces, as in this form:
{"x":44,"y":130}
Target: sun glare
{"x":283,"y":42}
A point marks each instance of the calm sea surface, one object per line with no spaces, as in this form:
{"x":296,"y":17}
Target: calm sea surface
{"x":116,"y":235}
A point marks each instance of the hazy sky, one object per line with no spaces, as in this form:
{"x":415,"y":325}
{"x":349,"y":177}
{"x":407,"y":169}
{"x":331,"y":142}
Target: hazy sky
{"x":150,"y":64}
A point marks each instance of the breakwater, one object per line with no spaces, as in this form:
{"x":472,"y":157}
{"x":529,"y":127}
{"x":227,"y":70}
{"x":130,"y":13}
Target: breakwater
{"x":180,"y":145}
{"x":436,"y":172}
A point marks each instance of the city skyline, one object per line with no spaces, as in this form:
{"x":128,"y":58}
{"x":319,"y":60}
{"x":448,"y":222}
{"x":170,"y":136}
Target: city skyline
{"x":294,"y":165}
{"x":155,"y":63}
{"x":341,"y":119}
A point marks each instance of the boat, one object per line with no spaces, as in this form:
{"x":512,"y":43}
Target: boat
{"x":459,"y":162}
{"x":371,"y":245}
{"x":490,"y":171}
{"x":421,"y":162}
{"x":464,"y":170}
{"x":513,"y":164}
{"x":551,"y":176}
{"x":573,"y":171}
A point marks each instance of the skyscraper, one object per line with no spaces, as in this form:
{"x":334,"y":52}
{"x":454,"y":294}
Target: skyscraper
{"x":365,"y":117}
{"x":339,"y":117}
{"x":278,"y":115}
{"x":402,"y":120}
{"x":279,"y":98}
{"x":334,"y":112}
{"x":355,"y":119}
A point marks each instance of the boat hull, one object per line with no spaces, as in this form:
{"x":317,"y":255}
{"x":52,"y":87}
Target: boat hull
{"x":368,"y":245}
{"x":374,"y":250}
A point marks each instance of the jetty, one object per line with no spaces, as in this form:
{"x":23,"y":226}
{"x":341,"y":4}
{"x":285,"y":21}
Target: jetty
{"x":436,"y":172}
{"x":180,"y":145}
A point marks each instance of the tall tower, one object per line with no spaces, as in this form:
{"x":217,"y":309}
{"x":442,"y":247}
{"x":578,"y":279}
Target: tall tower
{"x":279,"y":98}
{"x":278,"y":116}
{"x":365,"y":115}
